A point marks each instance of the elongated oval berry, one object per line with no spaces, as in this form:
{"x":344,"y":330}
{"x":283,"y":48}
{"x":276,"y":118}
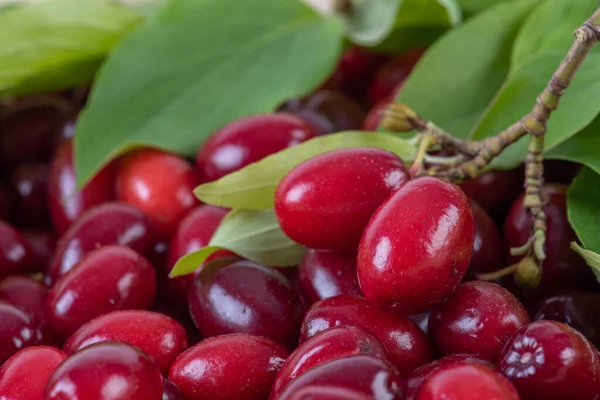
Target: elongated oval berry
{"x":16,"y":255}
{"x":406,"y":345}
{"x":417,"y":247}
{"x":550,"y":360}
{"x":487,"y":246}
{"x":326,"y":392}
{"x":334,"y":343}
{"x":161,"y":337}
{"x":326,"y":202}
{"x":108,"y":279}
{"x":25,"y":374}
{"x":26,"y":294}
{"x":108,"y":370}
{"x":364,"y":374}
{"x":107,"y":224}
{"x":17,"y":331}
{"x":477,"y":319}
{"x":237,"y":366}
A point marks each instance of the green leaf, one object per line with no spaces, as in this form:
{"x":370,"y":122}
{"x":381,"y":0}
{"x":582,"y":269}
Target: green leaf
{"x":592,"y":259}
{"x":252,"y":234}
{"x":57,"y":44}
{"x":197,"y":65}
{"x":583,"y":198}
{"x":582,"y":148}
{"x":471,"y":7}
{"x":253,"y":187}
{"x":461,"y":73}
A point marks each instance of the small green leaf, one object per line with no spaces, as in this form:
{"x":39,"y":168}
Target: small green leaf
{"x":54,"y":45}
{"x":582,"y":148}
{"x":197,"y":65}
{"x":253,"y":187}
{"x":583,"y":198}
{"x":592,"y":259}
{"x":252,"y":234}
{"x":371,"y":21}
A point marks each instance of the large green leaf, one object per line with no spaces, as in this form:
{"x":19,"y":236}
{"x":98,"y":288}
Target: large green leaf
{"x":461,"y":73}
{"x":471,"y":7}
{"x":57,"y":44}
{"x":253,"y":187}
{"x":591,"y":258}
{"x":197,"y":65}
{"x":582,"y":148}
{"x":583,"y":199}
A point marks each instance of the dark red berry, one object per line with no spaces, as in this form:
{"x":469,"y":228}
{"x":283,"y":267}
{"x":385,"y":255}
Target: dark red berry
{"x":326,"y":202}
{"x":324,"y":274}
{"x":391,"y":74}
{"x":5,"y":208}
{"x":26,"y":294}
{"x":107,"y":224}
{"x":487,"y":246}
{"x":170,"y":391}
{"x":18,"y":330}
{"x":550,"y":360}
{"x":495,"y":190}
{"x":236,"y":296}
{"x":331,"y":344}
{"x":29,"y":192}
{"x":326,"y":392}
{"x":43,"y":244}
{"x":16,"y":255}
{"x":248,"y":140}
{"x":417,"y":247}
{"x":108,"y":370}
{"x":160,"y":184}
{"x":406,"y":345}
{"x":238,"y":366}
{"x":25,"y":374}
{"x":108,"y":279}
{"x":560,"y":171}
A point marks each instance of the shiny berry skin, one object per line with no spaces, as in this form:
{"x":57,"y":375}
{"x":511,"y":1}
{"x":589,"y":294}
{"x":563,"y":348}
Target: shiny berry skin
{"x":478,"y":318}
{"x":324,"y":274}
{"x":325,"y":202}
{"x":364,"y":374}
{"x":331,"y":344}
{"x":108,"y":370}
{"x":237,"y":366}
{"x":326,"y":392}
{"x":43,"y":244}
{"x":417,"y":377}
{"x":159,"y":184}
{"x":108,"y":279}
{"x":243,"y":297}
{"x":466,"y":382}
{"x":26,"y":294}
{"x":107,"y":224}
{"x":65,"y":201}
{"x":550,"y":360}
{"x":248,"y":140}
{"x":406,"y":345}
{"x":159,"y":336}
{"x":562,"y":268}
{"x":29,"y":193}
{"x":18,"y":330}
{"x":16,"y":255}
{"x":391,"y":74}
{"x":417,"y":246}
{"x":487,"y":247}
{"x":25,"y":374}
{"x":495,"y":191}
{"x":170,"y":391}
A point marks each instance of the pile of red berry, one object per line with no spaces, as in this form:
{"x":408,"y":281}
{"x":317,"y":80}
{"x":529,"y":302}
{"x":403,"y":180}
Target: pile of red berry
{"x":385,"y":305}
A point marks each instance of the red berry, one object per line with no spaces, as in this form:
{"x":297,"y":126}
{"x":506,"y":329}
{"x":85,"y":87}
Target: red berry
{"x":161,"y":337}
{"x":160,"y":184}
{"x":495,"y":190}
{"x":65,"y":201}
{"x":43,"y":244}
{"x":417,"y":247}
{"x":391,"y":74}
{"x":363,"y":374}
{"x":238,"y":366}
{"x":466,"y":382}
{"x":108,"y":279}
{"x":29,"y":190}
{"x":326,"y":202}
{"x":107,"y":224}
{"x":550,"y":360}
{"x":248,"y":140}
{"x":406,"y":345}
{"x":18,"y":330}
{"x":25,"y":374}
{"x":108,"y":370}
{"x":16,"y":255}
{"x":487,"y":247}
{"x":5,"y":209}
{"x":326,"y":392}
{"x":324,"y":274}
{"x":331,"y":344}
{"x":243,"y":297}
{"x":372,"y":119}
{"x":26,"y":294}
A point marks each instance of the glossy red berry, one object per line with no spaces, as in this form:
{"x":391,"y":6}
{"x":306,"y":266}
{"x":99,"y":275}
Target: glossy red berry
{"x":364,"y":374}
{"x":107,"y":224}
{"x":29,"y":190}
{"x":326,"y":202}
{"x":331,"y":344}
{"x":25,"y":374}
{"x":160,"y":184}
{"x":248,"y":140}
{"x":466,"y":382}
{"x":374,"y":115}
{"x":26,"y":294}
{"x":406,"y":345}
{"x":477,"y":319}
{"x":108,"y":370}
{"x":495,"y":191}
{"x":43,"y":244}
{"x":161,"y":337}
{"x":417,"y":246}
{"x":238,"y":366}
{"x":550,"y":360}
{"x":65,"y":201}
{"x":243,"y":297}
{"x":324,"y":274}
{"x":326,"y":392}
{"x":108,"y":279}
{"x":16,"y":255}
{"x":391,"y":74}
{"x":487,"y":246}
{"x":18,"y":330}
